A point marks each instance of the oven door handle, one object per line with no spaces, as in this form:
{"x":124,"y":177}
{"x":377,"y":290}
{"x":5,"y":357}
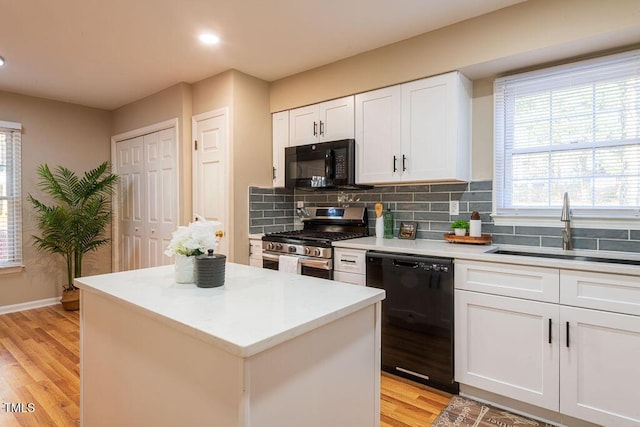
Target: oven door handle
{"x":324,"y":264}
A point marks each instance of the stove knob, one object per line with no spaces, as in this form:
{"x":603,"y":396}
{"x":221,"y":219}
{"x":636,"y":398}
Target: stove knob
{"x":293,"y":249}
{"x":307,"y":251}
{"x":278,"y":246}
{"x":270,"y":246}
{"x":317,"y":252}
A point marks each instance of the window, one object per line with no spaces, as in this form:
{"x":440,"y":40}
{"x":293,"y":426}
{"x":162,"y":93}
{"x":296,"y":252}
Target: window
{"x":574,"y":129}
{"x":10,"y":195}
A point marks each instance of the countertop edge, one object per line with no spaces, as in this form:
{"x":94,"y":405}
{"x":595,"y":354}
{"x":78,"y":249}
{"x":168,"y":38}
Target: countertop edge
{"x":482,"y":253}
{"x":231,"y":347}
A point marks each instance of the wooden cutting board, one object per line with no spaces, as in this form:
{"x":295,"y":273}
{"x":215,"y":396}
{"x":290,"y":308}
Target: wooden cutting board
{"x":484,"y":239}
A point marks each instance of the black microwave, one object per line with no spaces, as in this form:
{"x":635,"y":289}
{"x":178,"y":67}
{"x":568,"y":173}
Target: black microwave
{"x":323,"y":165}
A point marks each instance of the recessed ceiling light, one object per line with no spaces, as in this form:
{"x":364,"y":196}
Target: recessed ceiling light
{"x":1,"y":61}
{"x":208,"y":38}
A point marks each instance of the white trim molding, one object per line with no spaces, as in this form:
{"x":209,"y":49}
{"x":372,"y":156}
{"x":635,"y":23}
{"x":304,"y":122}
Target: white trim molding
{"x":30,"y":305}
{"x":576,"y":222}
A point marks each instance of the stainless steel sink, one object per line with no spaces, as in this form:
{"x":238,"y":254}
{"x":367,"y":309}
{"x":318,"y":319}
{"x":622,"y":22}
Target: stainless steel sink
{"x":565,"y":256}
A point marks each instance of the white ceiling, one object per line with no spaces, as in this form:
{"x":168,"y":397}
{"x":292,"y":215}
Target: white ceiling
{"x":107,"y":53}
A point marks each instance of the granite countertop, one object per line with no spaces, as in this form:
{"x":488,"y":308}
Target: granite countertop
{"x":255,"y":310}
{"x":483,"y":253}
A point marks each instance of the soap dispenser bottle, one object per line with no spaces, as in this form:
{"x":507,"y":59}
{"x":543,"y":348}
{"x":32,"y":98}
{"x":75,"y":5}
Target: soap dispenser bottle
{"x":388,"y":224}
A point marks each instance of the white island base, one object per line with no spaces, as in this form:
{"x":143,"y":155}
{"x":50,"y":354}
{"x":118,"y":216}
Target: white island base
{"x":140,"y":367}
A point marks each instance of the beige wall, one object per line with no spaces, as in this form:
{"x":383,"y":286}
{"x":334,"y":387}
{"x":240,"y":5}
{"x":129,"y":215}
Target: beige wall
{"x":55,"y":133}
{"x":250,"y":144}
{"x":171,"y":103}
{"x":252,"y":163}
{"x":529,"y":33}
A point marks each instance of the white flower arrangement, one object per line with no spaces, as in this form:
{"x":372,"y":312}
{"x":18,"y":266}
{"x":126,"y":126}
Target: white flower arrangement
{"x":195,"y":239}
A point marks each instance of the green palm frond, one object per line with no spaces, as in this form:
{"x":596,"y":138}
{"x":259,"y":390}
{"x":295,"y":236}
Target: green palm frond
{"x":76,"y":223}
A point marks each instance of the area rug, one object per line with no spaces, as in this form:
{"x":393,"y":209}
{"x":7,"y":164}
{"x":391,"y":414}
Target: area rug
{"x":462,"y":412}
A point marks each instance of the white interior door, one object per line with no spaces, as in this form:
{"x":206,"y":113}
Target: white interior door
{"x":210,"y":183}
{"x":129,"y":159}
{"x":147,"y":198}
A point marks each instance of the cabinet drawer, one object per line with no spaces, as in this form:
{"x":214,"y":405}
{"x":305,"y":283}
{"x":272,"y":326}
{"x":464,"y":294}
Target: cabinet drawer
{"x":535,"y":283}
{"x":255,"y":248}
{"x":610,"y":292}
{"x":354,"y":278}
{"x":349,"y":260}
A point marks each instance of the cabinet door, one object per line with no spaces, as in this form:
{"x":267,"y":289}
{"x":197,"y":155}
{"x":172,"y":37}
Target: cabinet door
{"x":435,"y":122}
{"x":336,"y":119}
{"x":378,"y":135}
{"x":599,"y":366}
{"x":280,"y":129}
{"x":304,"y":125}
{"x":508,"y":346}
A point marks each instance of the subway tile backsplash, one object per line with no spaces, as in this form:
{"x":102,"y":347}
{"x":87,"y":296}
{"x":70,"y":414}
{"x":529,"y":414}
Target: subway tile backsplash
{"x":427,"y":204}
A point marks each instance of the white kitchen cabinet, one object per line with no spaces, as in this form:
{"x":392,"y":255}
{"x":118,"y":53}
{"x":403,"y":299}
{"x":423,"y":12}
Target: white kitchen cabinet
{"x":417,"y":131}
{"x":599,"y":366}
{"x":255,"y":252}
{"x":350,"y":266}
{"x":327,"y":121}
{"x":575,"y":353}
{"x":436,"y":129}
{"x":280,"y":140}
{"x":508,"y":346}
{"x":520,"y":281}
{"x":378,"y":135}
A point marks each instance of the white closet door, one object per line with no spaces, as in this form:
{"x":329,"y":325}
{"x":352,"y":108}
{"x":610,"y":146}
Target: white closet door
{"x":161,"y":197}
{"x":210,"y":198}
{"x":147,"y":166}
{"x":130,"y":169}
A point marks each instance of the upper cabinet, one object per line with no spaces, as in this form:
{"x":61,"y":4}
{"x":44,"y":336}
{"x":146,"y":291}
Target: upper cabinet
{"x":417,"y":131}
{"x":378,"y":121}
{"x":327,"y":121}
{"x":280,"y":129}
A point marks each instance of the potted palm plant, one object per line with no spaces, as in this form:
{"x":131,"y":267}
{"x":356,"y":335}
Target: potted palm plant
{"x":75,"y":221}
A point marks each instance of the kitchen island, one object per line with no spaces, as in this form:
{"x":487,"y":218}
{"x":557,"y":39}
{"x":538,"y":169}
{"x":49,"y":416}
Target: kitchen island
{"x":266,"y":349}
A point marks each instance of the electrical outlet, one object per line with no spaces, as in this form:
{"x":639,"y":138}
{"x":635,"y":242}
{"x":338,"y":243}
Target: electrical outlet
{"x":454,"y":207}
{"x":300,"y":204}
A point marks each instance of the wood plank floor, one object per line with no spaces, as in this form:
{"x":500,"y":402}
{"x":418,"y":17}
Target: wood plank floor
{"x":39,"y":365}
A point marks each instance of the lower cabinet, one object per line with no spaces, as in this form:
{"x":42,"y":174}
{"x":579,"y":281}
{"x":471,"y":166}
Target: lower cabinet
{"x":580,"y":362}
{"x":349,"y":266}
{"x":255,"y":252}
{"x":508,"y":346}
{"x":599,"y":366}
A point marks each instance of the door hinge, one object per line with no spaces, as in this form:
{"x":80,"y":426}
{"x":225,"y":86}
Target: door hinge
{"x":196,"y":144}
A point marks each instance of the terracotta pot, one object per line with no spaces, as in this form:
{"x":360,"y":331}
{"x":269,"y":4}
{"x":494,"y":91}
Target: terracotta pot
{"x":71,"y":300}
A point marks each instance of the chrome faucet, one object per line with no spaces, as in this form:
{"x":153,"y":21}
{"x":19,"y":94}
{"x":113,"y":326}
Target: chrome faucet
{"x":566,"y":218}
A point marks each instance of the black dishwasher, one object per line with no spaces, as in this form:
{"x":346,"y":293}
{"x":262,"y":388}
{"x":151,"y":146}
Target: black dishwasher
{"x":417,"y":316}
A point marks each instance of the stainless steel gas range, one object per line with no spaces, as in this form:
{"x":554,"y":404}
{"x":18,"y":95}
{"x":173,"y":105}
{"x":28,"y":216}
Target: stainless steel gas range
{"x":312,"y":244}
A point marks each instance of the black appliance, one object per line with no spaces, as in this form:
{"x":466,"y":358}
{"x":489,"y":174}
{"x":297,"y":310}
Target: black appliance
{"x":417,"y":316}
{"x":312,"y":244}
{"x":323,"y":165}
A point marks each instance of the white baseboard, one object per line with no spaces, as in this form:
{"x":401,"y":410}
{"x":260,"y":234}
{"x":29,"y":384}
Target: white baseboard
{"x":5,"y":309}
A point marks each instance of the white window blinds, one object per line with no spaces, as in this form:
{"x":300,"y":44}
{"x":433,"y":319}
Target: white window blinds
{"x":10,"y":195}
{"x":573,"y":128}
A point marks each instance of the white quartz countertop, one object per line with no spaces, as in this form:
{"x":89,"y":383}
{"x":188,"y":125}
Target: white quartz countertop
{"x":483,"y":253}
{"x":255,"y":310}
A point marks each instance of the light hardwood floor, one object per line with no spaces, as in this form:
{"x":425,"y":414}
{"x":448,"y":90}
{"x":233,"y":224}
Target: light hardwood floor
{"x":39,"y":365}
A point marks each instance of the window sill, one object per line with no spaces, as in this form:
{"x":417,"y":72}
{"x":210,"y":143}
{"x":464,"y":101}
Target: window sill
{"x":6,"y":269}
{"x":617,"y":223}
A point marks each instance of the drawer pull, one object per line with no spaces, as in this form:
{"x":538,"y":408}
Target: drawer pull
{"x":549,"y":331}
{"x":567,"y":334}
